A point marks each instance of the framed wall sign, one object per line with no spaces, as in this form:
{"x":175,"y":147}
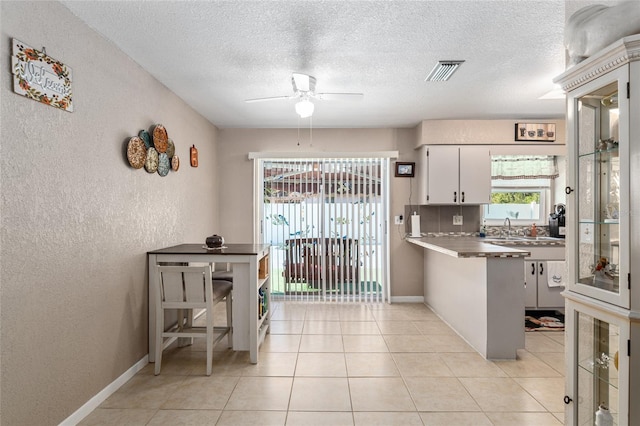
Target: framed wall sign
{"x":40,"y":77}
{"x":541,"y":132}
{"x":405,"y":169}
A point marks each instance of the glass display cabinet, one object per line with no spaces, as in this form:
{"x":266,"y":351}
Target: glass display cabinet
{"x":599,"y":211}
{"x":599,"y":339}
{"x":602,"y":305}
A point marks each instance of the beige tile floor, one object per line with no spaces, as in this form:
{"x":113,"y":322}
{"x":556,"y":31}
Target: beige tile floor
{"x":348,"y":364}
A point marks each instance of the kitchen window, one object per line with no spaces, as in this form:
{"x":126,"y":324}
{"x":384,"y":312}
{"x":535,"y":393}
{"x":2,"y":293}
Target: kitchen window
{"x":521,"y":189}
{"x":520,"y":205}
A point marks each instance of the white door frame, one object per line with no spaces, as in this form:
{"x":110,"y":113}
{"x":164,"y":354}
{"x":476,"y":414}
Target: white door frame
{"x":258,"y":213}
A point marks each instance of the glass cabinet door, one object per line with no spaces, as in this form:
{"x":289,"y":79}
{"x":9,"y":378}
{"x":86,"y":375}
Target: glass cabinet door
{"x":599,"y":198}
{"x":598,"y":344}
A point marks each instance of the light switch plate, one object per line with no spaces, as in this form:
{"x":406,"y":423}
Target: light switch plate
{"x":457,"y":220}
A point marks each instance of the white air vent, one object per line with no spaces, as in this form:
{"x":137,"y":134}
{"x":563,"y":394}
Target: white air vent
{"x":443,"y":70}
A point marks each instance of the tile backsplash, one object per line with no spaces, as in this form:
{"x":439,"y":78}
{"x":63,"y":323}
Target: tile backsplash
{"x":439,"y":219}
{"x":436,"y":219}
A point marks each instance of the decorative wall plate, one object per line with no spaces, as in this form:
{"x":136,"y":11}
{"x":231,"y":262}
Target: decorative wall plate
{"x":151,"y":164}
{"x":175,"y":163}
{"x":160,"y":138}
{"x":171,"y":148}
{"x":163,"y":164}
{"x":136,"y":152}
{"x":146,"y":138}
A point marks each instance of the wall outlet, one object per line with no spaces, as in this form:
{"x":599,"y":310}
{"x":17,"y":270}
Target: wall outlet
{"x":457,"y":220}
{"x":399,"y":220}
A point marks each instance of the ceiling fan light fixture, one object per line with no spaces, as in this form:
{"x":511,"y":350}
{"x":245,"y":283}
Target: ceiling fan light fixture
{"x":443,"y":70}
{"x":304,"y":108}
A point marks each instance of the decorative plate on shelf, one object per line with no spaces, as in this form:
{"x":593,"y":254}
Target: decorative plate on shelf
{"x":163,"y":164}
{"x":146,"y":138}
{"x":171,"y":148}
{"x":151,"y":164}
{"x":175,"y":163}
{"x":160,"y":138}
{"x":136,"y":152}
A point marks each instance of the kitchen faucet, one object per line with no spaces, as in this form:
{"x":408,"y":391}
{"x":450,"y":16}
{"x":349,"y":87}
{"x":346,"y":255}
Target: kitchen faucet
{"x":507,"y":222}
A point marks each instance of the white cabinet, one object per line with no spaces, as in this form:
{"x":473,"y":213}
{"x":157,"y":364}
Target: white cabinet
{"x":538,"y":291}
{"x":603,"y":345}
{"x":603,"y":200}
{"x":454,"y":174}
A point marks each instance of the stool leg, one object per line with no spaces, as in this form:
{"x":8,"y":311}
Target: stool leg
{"x":209,"y":341}
{"x":159,"y":338}
{"x":229,"y":319}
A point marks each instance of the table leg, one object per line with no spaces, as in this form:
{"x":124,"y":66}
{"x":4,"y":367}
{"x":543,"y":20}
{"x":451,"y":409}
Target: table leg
{"x":152,"y":306}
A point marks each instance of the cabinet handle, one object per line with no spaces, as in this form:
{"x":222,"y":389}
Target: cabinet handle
{"x":462,"y":197}
{"x":541,"y":268}
{"x":568,"y":190}
{"x":533,"y":268}
{"x":455,"y":197}
{"x":567,"y":399}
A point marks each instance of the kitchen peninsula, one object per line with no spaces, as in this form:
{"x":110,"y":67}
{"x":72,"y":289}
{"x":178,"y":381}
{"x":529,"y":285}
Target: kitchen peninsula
{"x":477,"y":288}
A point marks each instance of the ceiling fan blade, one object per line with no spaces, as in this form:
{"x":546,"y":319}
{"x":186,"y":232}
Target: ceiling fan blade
{"x":273,"y":98}
{"x":303,"y":82}
{"x":339,"y":96}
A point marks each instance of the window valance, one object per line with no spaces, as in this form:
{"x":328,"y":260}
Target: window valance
{"x":524,"y":167}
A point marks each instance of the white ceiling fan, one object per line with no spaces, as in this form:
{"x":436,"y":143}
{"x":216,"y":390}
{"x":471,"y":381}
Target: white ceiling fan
{"x":304,"y":89}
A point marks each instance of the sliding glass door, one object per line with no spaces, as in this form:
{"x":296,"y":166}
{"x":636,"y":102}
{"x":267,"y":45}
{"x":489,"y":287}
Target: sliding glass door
{"x":326,"y":219}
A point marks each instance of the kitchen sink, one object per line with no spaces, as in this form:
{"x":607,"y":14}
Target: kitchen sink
{"x":504,"y":238}
{"x":515,"y":239}
{"x":541,"y":238}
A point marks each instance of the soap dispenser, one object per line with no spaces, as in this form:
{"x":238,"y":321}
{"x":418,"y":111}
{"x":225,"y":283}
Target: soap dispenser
{"x":483,"y":229}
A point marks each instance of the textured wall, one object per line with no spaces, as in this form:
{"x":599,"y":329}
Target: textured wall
{"x":406,"y":259}
{"x":77,"y":220}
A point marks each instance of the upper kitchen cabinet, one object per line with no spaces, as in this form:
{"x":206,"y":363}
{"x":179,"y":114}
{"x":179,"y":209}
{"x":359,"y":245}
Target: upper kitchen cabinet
{"x":454,"y":174}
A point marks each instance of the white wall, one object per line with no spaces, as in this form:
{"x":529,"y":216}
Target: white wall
{"x":482,"y":132}
{"x":76,"y":220}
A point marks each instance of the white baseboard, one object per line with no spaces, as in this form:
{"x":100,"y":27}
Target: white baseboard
{"x":105,"y":393}
{"x":407,"y":299}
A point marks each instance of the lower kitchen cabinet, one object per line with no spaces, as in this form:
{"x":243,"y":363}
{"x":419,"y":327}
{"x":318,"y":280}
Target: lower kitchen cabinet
{"x":538,"y":291}
{"x":543,"y":281}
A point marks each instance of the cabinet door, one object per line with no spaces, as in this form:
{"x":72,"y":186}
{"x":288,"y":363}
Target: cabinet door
{"x":530,"y":284}
{"x":548,"y":297}
{"x":442,"y":175}
{"x":475,"y":175}
{"x":599,"y":373}
{"x":421,"y":174}
{"x":599,"y":206}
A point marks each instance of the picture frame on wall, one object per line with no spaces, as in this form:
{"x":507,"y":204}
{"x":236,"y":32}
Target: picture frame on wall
{"x":404,"y":169}
{"x":538,"y":132}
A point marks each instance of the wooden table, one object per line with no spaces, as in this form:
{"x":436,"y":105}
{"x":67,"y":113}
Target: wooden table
{"x":250,"y":273}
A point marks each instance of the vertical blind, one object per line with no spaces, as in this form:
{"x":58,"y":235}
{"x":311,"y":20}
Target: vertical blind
{"x":325,"y":220}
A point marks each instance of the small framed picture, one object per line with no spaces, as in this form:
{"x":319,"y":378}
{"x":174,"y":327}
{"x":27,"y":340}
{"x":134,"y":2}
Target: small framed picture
{"x":542,"y":132}
{"x":405,"y":169}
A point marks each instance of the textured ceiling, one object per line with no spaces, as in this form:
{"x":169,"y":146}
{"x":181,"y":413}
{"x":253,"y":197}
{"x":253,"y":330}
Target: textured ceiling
{"x":216,"y":54}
